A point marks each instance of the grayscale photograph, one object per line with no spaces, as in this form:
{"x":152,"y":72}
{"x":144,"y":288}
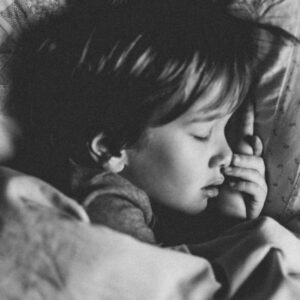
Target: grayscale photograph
{"x":149,"y":149}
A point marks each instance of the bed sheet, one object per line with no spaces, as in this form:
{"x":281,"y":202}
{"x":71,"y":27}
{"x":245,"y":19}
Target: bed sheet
{"x":48,"y":250}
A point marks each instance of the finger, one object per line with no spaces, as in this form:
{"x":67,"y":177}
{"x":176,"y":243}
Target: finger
{"x":254,"y":197}
{"x":245,"y":147}
{"x":257,"y":146}
{"x":249,"y":162}
{"x":251,"y":188}
{"x":247,"y":123}
{"x":245,"y":174}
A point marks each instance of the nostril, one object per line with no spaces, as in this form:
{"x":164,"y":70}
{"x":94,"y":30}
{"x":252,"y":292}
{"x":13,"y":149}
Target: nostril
{"x":222,"y":157}
{"x":227,"y":161}
{"x":222,"y":170}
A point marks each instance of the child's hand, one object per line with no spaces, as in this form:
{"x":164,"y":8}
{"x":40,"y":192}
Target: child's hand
{"x":244,"y":194}
{"x":247,"y":175}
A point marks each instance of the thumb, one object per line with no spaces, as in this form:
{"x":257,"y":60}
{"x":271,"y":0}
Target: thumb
{"x":246,"y":130}
{"x":247,"y":123}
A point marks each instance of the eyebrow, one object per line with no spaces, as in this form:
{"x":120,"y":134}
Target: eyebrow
{"x":203,"y":118}
{"x":199,"y":119}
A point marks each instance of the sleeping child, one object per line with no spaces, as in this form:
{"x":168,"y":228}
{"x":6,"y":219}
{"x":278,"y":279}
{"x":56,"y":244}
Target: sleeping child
{"x":128,"y":107}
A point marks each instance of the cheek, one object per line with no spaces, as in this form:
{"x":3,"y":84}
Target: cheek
{"x":179,"y":178}
{"x":172,"y":166}
{"x":159,"y":159}
{"x":171,"y":169}
{"x":171,"y":156}
{"x":183,"y":158}
{"x":155,"y":165}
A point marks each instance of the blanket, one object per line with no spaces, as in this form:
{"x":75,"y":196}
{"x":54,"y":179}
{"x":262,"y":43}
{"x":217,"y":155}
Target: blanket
{"x":49,"y":250}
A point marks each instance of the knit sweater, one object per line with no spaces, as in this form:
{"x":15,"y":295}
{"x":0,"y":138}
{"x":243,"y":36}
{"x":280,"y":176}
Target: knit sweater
{"x":111,"y":200}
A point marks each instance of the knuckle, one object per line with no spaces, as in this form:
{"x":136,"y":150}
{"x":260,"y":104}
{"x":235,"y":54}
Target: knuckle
{"x":238,"y":171}
{"x":238,"y":159}
{"x":265,"y":188}
{"x":255,"y":173}
{"x":260,"y":165}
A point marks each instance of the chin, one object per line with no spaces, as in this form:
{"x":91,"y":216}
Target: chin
{"x":196,"y":208}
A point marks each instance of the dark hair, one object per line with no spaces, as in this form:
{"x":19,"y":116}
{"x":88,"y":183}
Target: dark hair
{"x":112,"y":68}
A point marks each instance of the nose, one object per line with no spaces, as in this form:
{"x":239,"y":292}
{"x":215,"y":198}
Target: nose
{"x":222,"y":155}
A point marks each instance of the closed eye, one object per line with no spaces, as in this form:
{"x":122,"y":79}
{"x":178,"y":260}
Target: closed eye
{"x":202,"y":138}
{"x":202,"y":135}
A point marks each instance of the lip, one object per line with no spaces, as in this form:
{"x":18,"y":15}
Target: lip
{"x":211,"y":191}
{"x":215,"y":182}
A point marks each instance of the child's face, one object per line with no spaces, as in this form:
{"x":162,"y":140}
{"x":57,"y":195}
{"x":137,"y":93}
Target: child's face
{"x":179,"y":164}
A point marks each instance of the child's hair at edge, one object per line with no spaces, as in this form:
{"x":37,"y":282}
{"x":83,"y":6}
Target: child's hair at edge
{"x":119,"y":67}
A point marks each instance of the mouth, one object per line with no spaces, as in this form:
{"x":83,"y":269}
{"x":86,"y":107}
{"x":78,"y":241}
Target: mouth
{"x":212,"y":189}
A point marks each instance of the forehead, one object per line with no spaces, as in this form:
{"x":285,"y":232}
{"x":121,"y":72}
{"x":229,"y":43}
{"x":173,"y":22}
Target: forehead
{"x":215,"y":102}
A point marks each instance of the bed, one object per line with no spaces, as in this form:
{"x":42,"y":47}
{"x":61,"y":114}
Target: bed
{"x":49,"y":250}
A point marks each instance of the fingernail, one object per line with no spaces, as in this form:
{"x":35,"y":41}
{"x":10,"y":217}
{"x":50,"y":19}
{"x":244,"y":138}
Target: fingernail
{"x":235,"y":158}
{"x":228,"y":170}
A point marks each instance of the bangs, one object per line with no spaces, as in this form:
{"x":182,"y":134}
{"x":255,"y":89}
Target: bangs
{"x":229,"y":83}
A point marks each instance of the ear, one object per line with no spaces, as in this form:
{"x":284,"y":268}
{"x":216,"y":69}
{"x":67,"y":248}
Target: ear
{"x":98,"y":150}
{"x":116,"y":164}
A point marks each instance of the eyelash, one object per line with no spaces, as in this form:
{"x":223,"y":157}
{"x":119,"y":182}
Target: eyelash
{"x":202,"y":138}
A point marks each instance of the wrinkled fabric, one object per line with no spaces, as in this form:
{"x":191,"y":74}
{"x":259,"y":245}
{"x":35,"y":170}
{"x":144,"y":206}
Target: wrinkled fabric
{"x":277,"y":105}
{"x":258,"y":260}
{"x":111,"y":200}
{"x":48,"y":250}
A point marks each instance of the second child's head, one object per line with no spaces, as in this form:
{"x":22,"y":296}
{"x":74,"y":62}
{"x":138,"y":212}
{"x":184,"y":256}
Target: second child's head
{"x":142,"y":88}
